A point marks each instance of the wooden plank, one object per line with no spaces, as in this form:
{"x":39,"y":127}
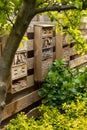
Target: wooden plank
{"x":78,"y":61}
{"x":34,"y":112}
{"x":38,"y":53}
{"x":30,"y":63}
{"x":30,"y":80}
{"x":59,"y":46}
{"x":20,"y":104}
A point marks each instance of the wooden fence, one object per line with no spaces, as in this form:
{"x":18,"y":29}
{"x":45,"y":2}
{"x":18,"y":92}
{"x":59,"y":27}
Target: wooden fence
{"x":26,"y":99}
{"x":22,"y":88}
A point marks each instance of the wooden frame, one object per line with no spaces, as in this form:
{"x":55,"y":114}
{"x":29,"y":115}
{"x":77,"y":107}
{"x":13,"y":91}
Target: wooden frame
{"x":43,"y":46}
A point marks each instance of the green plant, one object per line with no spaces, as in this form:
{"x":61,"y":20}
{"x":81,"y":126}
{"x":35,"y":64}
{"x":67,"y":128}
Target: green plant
{"x":73,"y":118}
{"x":19,"y":123}
{"x":63,"y":84}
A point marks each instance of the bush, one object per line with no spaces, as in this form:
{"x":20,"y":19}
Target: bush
{"x":63,"y":84}
{"x":73,"y":118}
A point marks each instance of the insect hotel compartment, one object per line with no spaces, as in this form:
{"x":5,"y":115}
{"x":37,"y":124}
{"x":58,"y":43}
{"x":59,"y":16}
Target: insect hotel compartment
{"x":18,"y":85}
{"x":19,"y":67}
{"x":20,"y":57}
{"x":19,"y":71}
{"x":47,"y":31}
{"x":47,"y":53}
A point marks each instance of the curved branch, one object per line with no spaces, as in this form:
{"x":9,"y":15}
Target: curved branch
{"x":54,"y":8}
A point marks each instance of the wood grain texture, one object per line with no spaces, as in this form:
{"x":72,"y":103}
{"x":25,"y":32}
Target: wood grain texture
{"x":78,"y":61}
{"x":18,"y":105}
{"x":30,"y":63}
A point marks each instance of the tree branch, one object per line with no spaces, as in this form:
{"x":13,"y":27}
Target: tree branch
{"x":55,"y":7}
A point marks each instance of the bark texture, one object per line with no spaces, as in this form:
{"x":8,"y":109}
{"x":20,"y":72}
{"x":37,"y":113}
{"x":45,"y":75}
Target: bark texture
{"x":24,"y":17}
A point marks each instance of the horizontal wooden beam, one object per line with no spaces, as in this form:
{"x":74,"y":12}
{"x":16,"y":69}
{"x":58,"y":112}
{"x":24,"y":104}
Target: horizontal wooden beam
{"x":78,"y":61}
{"x":18,"y":105}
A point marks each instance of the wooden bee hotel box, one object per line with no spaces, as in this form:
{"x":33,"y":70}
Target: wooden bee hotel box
{"x":43,"y":46}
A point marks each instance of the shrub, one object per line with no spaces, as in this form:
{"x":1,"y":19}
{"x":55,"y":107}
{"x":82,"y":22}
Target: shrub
{"x":73,"y":118}
{"x":63,"y":84}
{"x":19,"y":123}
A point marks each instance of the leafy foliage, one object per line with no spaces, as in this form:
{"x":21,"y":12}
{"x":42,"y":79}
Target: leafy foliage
{"x":63,"y":84}
{"x":20,"y":123}
{"x":73,"y":118}
{"x":67,"y":21}
{"x":8,"y":12}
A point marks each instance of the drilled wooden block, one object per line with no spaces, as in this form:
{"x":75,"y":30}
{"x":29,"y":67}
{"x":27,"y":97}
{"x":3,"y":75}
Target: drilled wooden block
{"x":47,"y":31}
{"x":47,"y":53}
{"x":19,"y":85}
{"x":19,"y":71}
{"x":20,"y":58}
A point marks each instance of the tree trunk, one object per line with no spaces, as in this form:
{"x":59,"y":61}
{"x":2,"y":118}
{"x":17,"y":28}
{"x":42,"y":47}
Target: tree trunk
{"x":23,"y":19}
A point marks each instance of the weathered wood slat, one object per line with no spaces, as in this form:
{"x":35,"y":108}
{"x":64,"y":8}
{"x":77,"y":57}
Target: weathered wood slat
{"x":58,"y":46}
{"x":30,"y":63}
{"x":38,"y":54}
{"x":78,"y":61}
{"x":20,"y":104}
